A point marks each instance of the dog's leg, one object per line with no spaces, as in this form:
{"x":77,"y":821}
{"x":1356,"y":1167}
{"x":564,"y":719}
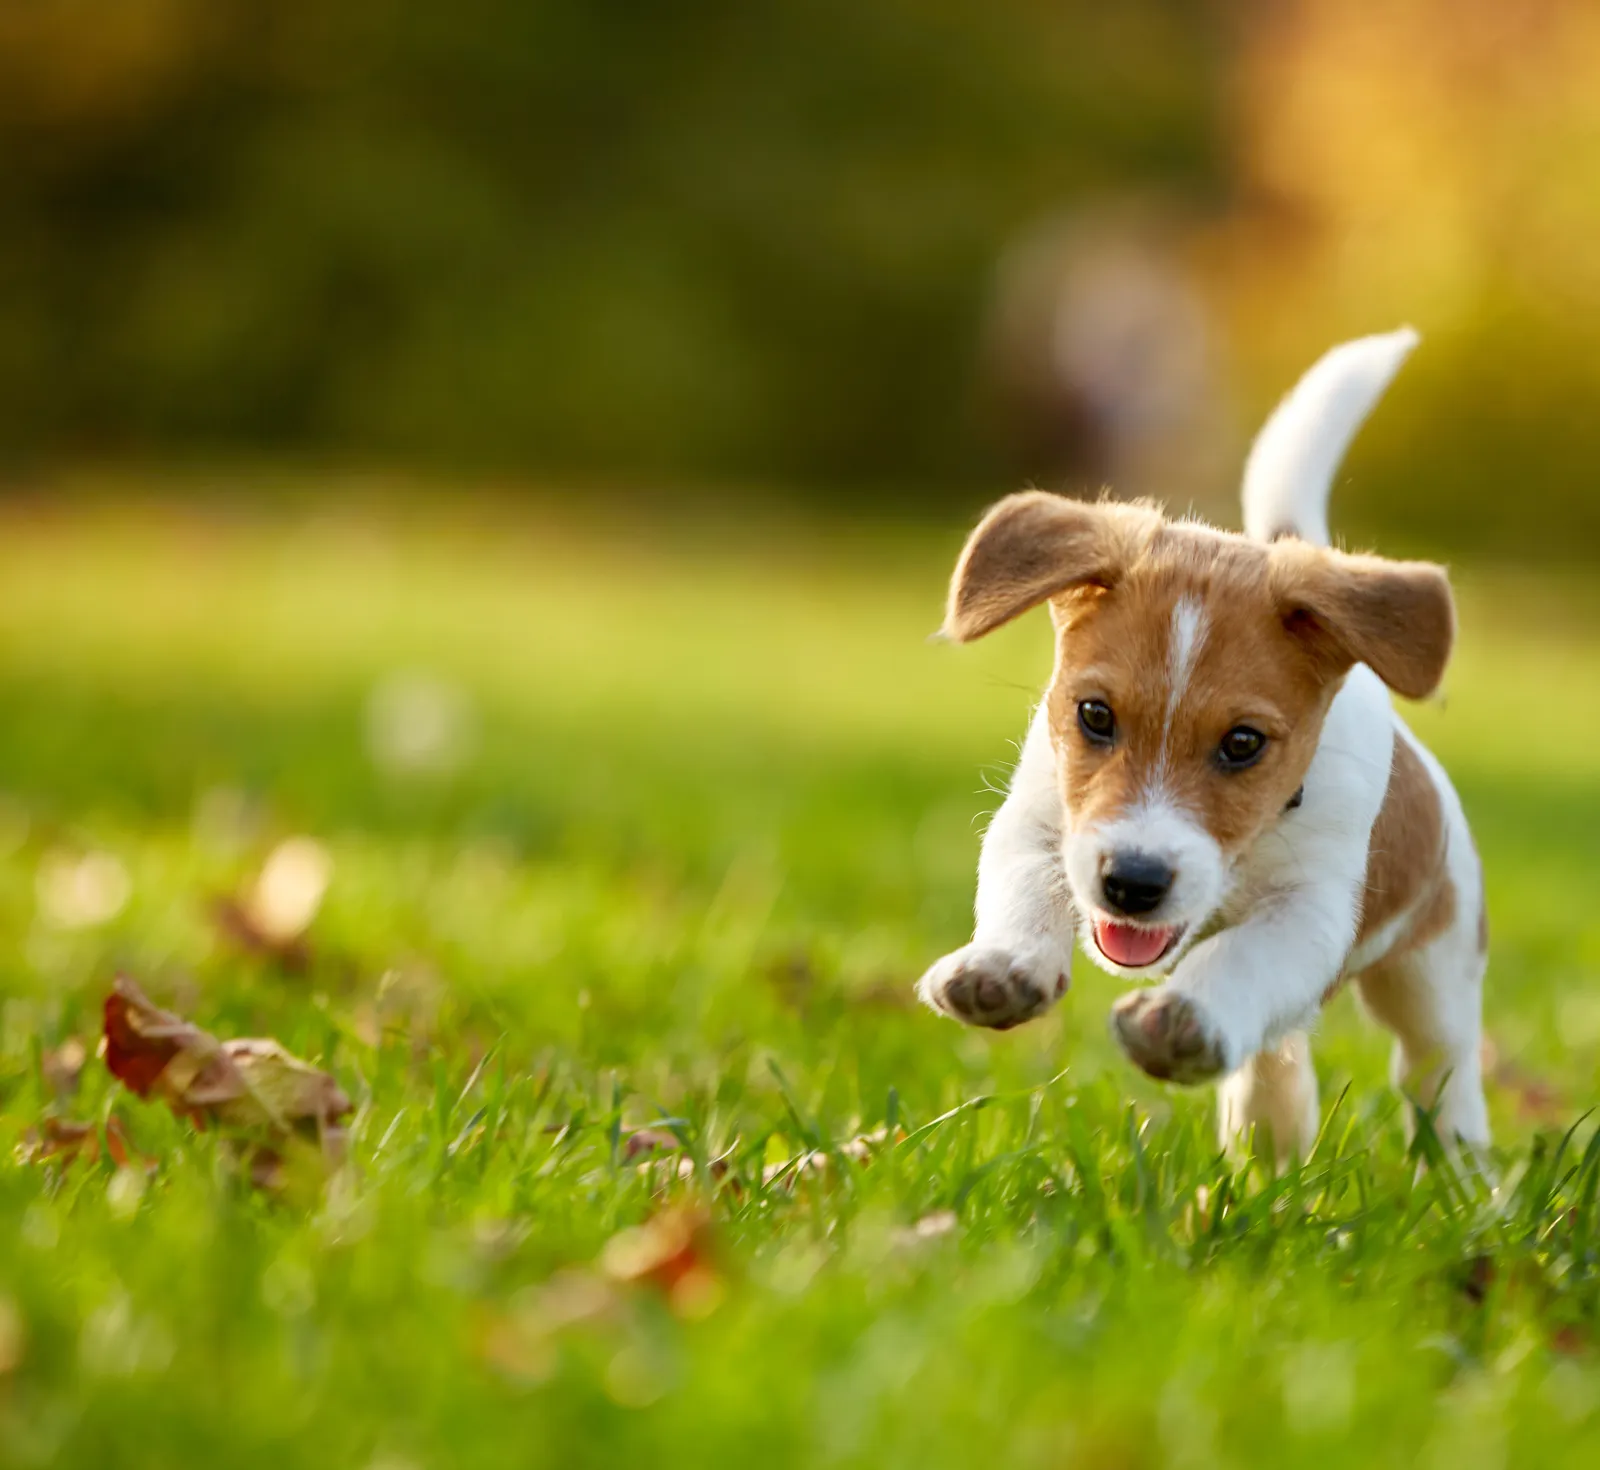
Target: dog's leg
{"x":1429,"y":994}
{"x":1018,"y":963}
{"x":1273,"y":1097}
{"x":1432,"y":1000}
{"x":1242,"y":991}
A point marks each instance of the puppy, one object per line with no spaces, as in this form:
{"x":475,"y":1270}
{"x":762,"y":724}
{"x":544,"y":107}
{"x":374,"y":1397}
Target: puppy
{"x":1215,"y":792}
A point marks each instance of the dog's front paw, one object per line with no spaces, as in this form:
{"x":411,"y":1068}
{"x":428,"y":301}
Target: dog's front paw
{"x":995,"y":987}
{"x":1167,"y":1035}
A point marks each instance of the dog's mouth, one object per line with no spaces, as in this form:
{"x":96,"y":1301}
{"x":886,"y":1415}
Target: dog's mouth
{"x":1134,"y":946}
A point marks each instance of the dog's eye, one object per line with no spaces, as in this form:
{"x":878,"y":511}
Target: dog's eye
{"x":1241,"y":747}
{"x":1096,"y":721}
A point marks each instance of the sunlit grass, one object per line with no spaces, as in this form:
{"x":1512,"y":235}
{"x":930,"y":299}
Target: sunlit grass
{"x":692,"y":816}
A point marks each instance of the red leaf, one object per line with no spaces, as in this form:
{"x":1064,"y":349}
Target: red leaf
{"x":141,"y":1040}
{"x":671,"y":1252}
{"x":251,"y":1082}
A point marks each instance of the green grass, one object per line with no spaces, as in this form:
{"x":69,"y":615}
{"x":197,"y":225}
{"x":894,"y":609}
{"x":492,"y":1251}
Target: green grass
{"x":721,"y":807}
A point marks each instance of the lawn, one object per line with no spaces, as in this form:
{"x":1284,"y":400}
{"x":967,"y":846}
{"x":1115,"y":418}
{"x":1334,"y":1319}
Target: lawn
{"x":637,"y":839}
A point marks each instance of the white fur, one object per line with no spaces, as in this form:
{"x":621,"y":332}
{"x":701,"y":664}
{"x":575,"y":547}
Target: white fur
{"x":1024,"y":915}
{"x":1183,"y":648}
{"x":1274,"y":1092}
{"x":1022,"y":892}
{"x":1297,"y":893}
{"x":1292,"y":463}
{"x":1290,"y":906}
{"x":1161,"y":828}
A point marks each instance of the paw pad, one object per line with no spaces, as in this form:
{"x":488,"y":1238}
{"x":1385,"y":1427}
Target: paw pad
{"x":990,"y":987}
{"x":1165,"y":1035}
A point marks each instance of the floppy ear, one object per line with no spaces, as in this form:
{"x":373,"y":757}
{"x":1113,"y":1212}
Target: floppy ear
{"x":1027,"y":548}
{"x":1395,"y":616}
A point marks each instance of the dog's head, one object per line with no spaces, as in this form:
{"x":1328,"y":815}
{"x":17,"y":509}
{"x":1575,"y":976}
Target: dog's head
{"x":1193,"y":673}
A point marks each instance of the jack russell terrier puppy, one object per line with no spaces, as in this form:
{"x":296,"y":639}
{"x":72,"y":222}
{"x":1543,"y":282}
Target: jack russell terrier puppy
{"x":1216,"y":792}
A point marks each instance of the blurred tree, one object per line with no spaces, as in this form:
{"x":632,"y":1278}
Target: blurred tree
{"x":661,"y":241}
{"x":1432,"y":161}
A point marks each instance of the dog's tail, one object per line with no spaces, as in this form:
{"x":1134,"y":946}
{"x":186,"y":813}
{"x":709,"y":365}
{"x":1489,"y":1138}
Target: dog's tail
{"x":1291,"y":465}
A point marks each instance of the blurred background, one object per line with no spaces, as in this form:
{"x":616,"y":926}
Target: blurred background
{"x":890,"y":258}
{"x":476,"y":481}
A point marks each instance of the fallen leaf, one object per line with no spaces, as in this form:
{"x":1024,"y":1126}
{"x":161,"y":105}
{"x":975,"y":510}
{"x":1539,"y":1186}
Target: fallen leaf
{"x":271,"y":918}
{"x":647,"y":1143}
{"x":247,"y":1083}
{"x":1569,"y":1340}
{"x":238,"y":924}
{"x":672,"y":1253}
{"x":59,"y":1138}
{"x":63,"y":1140}
{"x":121,"y":1152}
{"x":63,"y":1065}
{"x":662,"y":1152}
{"x":293,"y":1164}
{"x":818,"y":1162}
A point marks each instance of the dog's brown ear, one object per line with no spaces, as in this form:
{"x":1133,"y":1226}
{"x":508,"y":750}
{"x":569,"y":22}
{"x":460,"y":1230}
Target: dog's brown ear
{"x":1027,"y":548}
{"x":1397,"y":617}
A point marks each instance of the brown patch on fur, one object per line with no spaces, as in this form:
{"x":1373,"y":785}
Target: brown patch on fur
{"x":1406,"y":860}
{"x":1115,"y":645}
{"x":1245,"y":667}
{"x":1436,"y":914}
{"x":1396,"y":616}
{"x":1276,"y":629}
{"x":1030,"y":547}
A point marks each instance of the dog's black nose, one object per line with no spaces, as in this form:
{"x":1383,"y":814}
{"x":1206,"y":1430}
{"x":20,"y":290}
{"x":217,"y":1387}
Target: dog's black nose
{"x":1134,"y":882}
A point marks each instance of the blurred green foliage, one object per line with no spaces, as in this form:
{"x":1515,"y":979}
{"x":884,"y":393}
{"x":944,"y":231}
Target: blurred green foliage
{"x":771,"y":246}
{"x":670,"y":240}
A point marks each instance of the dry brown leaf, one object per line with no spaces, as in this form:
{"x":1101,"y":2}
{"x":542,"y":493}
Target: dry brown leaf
{"x":717,"y":1168}
{"x":247,"y":1083}
{"x":234,"y":919}
{"x":63,"y":1140}
{"x":272,"y":916}
{"x":1570,"y":1340}
{"x":293,"y":1164}
{"x":649,"y":1143}
{"x":671,"y":1252}
{"x":661,"y":1151}
{"x":817,"y":1162}
{"x":59,"y":1138}
{"x":63,"y":1066}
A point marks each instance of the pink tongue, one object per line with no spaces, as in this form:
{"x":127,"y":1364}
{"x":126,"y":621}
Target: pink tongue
{"x":1130,"y":946}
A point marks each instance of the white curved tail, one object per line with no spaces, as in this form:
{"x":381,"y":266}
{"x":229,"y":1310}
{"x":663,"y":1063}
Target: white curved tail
{"x":1291,"y":465}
